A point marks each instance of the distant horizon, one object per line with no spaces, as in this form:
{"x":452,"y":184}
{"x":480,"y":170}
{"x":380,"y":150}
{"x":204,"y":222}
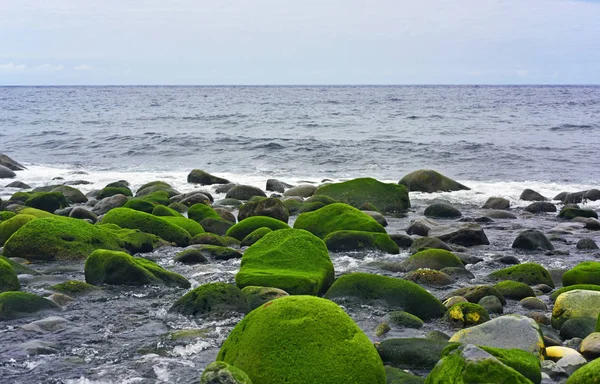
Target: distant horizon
{"x":296,"y":85}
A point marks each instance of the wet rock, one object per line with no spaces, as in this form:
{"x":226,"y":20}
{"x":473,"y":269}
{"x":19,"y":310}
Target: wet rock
{"x":404,"y":320}
{"x":254,"y":236}
{"x":590,"y":223}
{"x":492,"y":304}
{"x":421,"y":226}
{"x":432,"y":259}
{"x":212,"y":298}
{"x":6,"y":173}
{"x":50,"y":324}
{"x":590,"y":346}
{"x":411,"y":353}
{"x":575,"y":304}
{"x":190,"y":256}
{"x":528,"y":273}
{"x":9,"y":163}
{"x":109,"y":203}
{"x":442,"y":210}
{"x":395,"y":375}
{"x":244,"y":192}
{"x":378,"y":217}
{"x":430,"y":181}
{"x":403,"y":241}
{"x":201,"y":211}
{"x":195,"y":198}
{"x":429,"y":277}
{"x":531,"y":195}
{"x":201,"y":177}
{"x":277,"y":186}
{"x":450,"y":302}
{"x":514,"y":290}
{"x":498,"y":214}
{"x":73,"y":287}
{"x":337,"y":217}
{"x":340,"y":241}
{"x":509,"y":259}
{"x":19,"y":304}
{"x":533,"y":303}
{"x":587,"y":272}
{"x":541,"y":206}
{"x":247,"y":226}
{"x":18,"y":184}
{"x":464,"y":234}
{"x":219,"y":372}
{"x":587,"y":244}
{"x":475,"y":293}
{"x":217,"y":226}
{"x":588,"y":373}
{"x":208,"y":239}
{"x":82,"y":213}
{"x":424,"y":243}
{"x":8,"y":277}
{"x":579,"y":328}
{"x":303,"y":190}
{"x":270,"y":207}
{"x":569,"y":213}
{"x":257,"y":296}
{"x":463,"y":315}
{"x":496,"y":203}
{"x":532,"y":240}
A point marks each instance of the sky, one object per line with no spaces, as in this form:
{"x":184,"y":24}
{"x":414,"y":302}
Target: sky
{"x":126,"y":42}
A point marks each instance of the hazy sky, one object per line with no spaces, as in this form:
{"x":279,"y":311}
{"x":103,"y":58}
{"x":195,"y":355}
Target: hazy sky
{"x":299,"y":42}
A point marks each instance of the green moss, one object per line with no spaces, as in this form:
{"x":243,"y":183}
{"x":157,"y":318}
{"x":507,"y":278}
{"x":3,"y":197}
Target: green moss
{"x":5,"y":215}
{"x":587,"y":272}
{"x":156,"y":186}
{"x":73,"y":287}
{"x":426,"y":180}
{"x":220,"y":372}
{"x":585,"y":287}
{"x":302,"y":339}
{"x":129,"y":218}
{"x":429,"y":277}
{"x":463,"y":315}
{"x":575,"y":304}
{"x":219,"y":253}
{"x":394,"y":292}
{"x":255,"y":236}
{"x":336,"y":217}
{"x":399,"y":376}
{"x":290,"y":259}
{"x":528,"y":273}
{"x":16,"y":304}
{"x":569,"y":213}
{"x":266,"y":206}
{"x":475,"y":293}
{"x":411,"y":353}
{"x":587,"y":374}
{"x":208,"y":239}
{"x":211,"y":298}
{"x":179,"y":207}
{"x":47,"y":201}
{"x":20,"y":196}
{"x":119,"y":268}
{"x":73,"y":195}
{"x":34,"y":212}
{"x":310,"y":207}
{"x":292,"y":205}
{"x":387,"y":197}
{"x":216,"y":226}
{"x":323,"y":199}
{"x":190,"y":256}
{"x":514,"y":290}
{"x":432,"y":258}
{"x":192,"y":227}
{"x":405,"y":319}
{"x":19,"y":268}
{"x":340,"y":241}
{"x":231,"y":242}
{"x":140,"y":204}
{"x":161,"y":210}
{"x":199,"y":212}
{"x":10,"y":226}
{"x":156,"y":183}
{"x":134,"y":240}
{"x":257,"y":296}
{"x":8,"y":278}
{"x":249,"y":225}
{"x":59,"y":238}
{"x":111,"y":191}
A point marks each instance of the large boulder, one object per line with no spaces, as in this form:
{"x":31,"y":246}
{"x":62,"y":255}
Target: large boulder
{"x":575,"y":304}
{"x":508,"y":331}
{"x":302,"y":339}
{"x":119,"y":268}
{"x":290,"y":259}
{"x":244,"y":192}
{"x":337,"y":217}
{"x":12,"y":225}
{"x":9,"y":163}
{"x":18,"y":304}
{"x":433,"y":259}
{"x":531,"y":240}
{"x":198,"y":176}
{"x":426,"y":180}
{"x":340,"y":241}
{"x":386,"y":197}
{"x":47,"y":201}
{"x":212,"y":298}
{"x":394,"y":293}
{"x":528,"y":273}
{"x":587,"y":272}
{"x":270,"y":207}
{"x":467,"y":235}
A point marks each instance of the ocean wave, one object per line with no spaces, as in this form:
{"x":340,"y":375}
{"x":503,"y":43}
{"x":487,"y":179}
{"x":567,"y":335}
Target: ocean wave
{"x":48,"y":133}
{"x":573,"y":127}
{"x":271,"y":146}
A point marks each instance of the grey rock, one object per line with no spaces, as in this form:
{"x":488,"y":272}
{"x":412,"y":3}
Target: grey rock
{"x":82,"y":213}
{"x":244,"y":192}
{"x":587,"y":244}
{"x":492,"y":304}
{"x":303,"y":190}
{"x":109,"y":203}
{"x":274,"y":185}
{"x":421,"y":226}
{"x":18,"y":184}
{"x":541,"y":206}
{"x":6,"y":173}
{"x":497,"y":203}
{"x":531,"y":195}
{"x":464,"y":234}
{"x":532,"y":240}
{"x":9,"y":163}
{"x":442,"y":210}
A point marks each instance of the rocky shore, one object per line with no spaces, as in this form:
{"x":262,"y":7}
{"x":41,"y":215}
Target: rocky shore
{"x":357,"y":281}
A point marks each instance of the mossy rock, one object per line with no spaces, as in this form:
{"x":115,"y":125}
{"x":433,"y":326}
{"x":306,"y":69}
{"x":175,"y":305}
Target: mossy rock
{"x":463,"y":315}
{"x":219,"y":253}
{"x":5,"y":215}
{"x":216,"y":226}
{"x":208,"y":239}
{"x":587,"y":272}
{"x":249,"y":225}
{"x":73,"y":287}
{"x":178,"y":207}
{"x":257,"y":296}
{"x":337,"y":217}
{"x":514,"y":290}
{"x":387,"y":197}
{"x":429,"y":277}
{"x":290,"y":259}
{"x":156,"y":186}
{"x":575,"y":304}
{"x":432,"y":258}
{"x":569,"y":213}
{"x":199,"y":212}
{"x":234,"y":203}
{"x":231,"y":242}
{"x":19,"y":304}
{"x":523,"y":362}
{"x":12,"y":225}
{"x":34,"y":212}
{"x":341,"y":241}
{"x":73,"y":195}
{"x":134,"y":240}
{"x":120,"y":268}
{"x":198,"y":176}
{"x":140,"y":204}
{"x":47,"y":201}
{"x":59,"y":238}
{"x":293,"y":206}
{"x":270,"y":207}
{"x":190,"y":256}
{"x":323,"y":199}
{"x":145,"y":222}
{"x":423,"y":243}
{"x":400,"y":376}
{"x":588,"y":374}
{"x":255,"y":236}
{"x":395,"y":293}
{"x":212,"y":298}
{"x":8,"y":278}
{"x":405,"y":320}
{"x":585,"y":287}
{"x":161,"y":210}
{"x":328,"y":347}
{"x":219,"y":372}
{"x":442,"y":210}
{"x":20,"y":269}
{"x":191,"y":226}
{"x":111,"y":191}
{"x":425,"y":180}
{"x":475,"y":293}
{"x":578,"y":327}
{"x":310,"y":207}
{"x":469,"y":364}
{"x":528,"y":273}
{"x":411,"y":353}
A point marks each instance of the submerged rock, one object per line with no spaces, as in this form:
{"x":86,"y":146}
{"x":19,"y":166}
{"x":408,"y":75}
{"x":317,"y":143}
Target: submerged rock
{"x":19,"y":304}
{"x":425,"y":180}
{"x":442,"y":210}
{"x":531,"y":195}
{"x":8,"y":277}
{"x":198,"y":176}
{"x":465,"y":234}
{"x":211,"y":298}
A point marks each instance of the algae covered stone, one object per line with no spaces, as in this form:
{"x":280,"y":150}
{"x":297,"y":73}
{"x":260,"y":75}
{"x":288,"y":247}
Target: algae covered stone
{"x":199,"y":212}
{"x":587,"y":272}
{"x":257,"y":296}
{"x":12,"y":225}
{"x":528,"y":273}
{"x":514,"y":290}
{"x":192,"y":227}
{"x":395,"y":293}
{"x":8,"y":277}
{"x":249,"y":225}
{"x":337,"y":217}
{"x":120,"y":268}
{"x":463,"y":315}
{"x":475,"y":293}
{"x":17,"y":304}
{"x":73,"y":287}
{"x":270,"y":207}
{"x":219,"y":372}
{"x":302,"y":339}
{"x":216,"y":298}
{"x":432,"y":258}
{"x":290,"y":259}
{"x":47,"y":201}
{"x":425,"y":180}
{"x":411,"y":353}
{"x":575,"y":304}
{"x":340,"y":241}
{"x":588,"y":374}
{"x":255,"y":236}
{"x":387,"y":197}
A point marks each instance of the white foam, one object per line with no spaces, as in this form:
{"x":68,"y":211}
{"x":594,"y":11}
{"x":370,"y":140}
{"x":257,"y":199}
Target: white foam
{"x":190,"y":349}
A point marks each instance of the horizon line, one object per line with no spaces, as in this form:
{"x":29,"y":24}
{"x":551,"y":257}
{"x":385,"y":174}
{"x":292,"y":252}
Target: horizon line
{"x":314,"y":85}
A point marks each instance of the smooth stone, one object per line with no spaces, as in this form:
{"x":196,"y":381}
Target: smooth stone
{"x":49,"y":324}
{"x":570,"y":363}
{"x":575,"y":304}
{"x":509,"y":259}
{"x":82,"y":213}
{"x":274,"y":185}
{"x":532,"y":240}
{"x":533,"y":303}
{"x":108,"y":203}
{"x":18,"y":184}
{"x":492,"y":304}
{"x":11,"y":164}
{"x":442,"y":210}
{"x":496,"y":203}
{"x":531,"y":195}
{"x":464,"y":234}
{"x":499,"y":214}
{"x":378,"y":217}
{"x":541,"y":207}
{"x":6,"y":173}
{"x":590,"y":346}
{"x":421,"y":226}
{"x":303,"y":190}
{"x":587,"y":244}
{"x":403,"y":241}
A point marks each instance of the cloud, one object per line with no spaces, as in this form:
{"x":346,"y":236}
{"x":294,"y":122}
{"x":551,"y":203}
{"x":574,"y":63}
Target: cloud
{"x":49,"y":67}
{"x":83,"y":67}
{"x":12,"y":67}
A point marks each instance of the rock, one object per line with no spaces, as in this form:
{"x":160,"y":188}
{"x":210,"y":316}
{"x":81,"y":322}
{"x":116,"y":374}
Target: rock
{"x":219,"y":372}
{"x":336,"y":217}
{"x":328,"y":346}
{"x":531,"y":195}
{"x":442,"y":210}
{"x":198,"y":176}
{"x":587,"y":244}
{"x":378,"y":217}
{"x":257,"y":296}
{"x":270,"y":207}
{"x":60,"y":299}
{"x":399,"y":376}
{"x":216,"y":226}
{"x":109,"y":203}
{"x":289,"y":259}
{"x":159,"y":226}
{"x":9,"y":163}
{"x":448,"y":303}
{"x":394,"y":293}
{"x":217,"y":252}
{"x":73,"y":195}
{"x":192,"y":227}
{"x":496,"y":203}
{"x":508,"y":331}
{"x":254,"y":236}
{"x":19,"y":304}
{"x":509,"y":259}
{"x":541,"y":206}
{"x":556,"y":353}
{"x":411,"y":353}
{"x":120,"y":268}
{"x":429,"y":277}
{"x":528,"y":273}
{"x":47,"y":201}
{"x":499,"y":214}
{"x":587,"y":287}
{"x":401,"y":240}
{"x":465,"y":234}
{"x":425,"y":180}
{"x":405,"y":320}
{"x":424,"y":243}
{"x":386,"y":197}
{"x":247,"y":226}
{"x":491,"y":304}
{"x":190,"y":256}
{"x":569,"y":213}
{"x":109,"y":191}
{"x":161,"y":210}
{"x":463,"y":315}
{"x":82,"y":213}
{"x":590,"y":346}
{"x":578,"y":327}
{"x":533,"y":303}
{"x":233,"y":203}
{"x":50,"y":324}
{"x":12,"y":225}
{"x":587,"y":374}
{"x":303,"y":190}
{"x":212,"y":298}
{"x":475,"y":293}
{"x":244,"y":192}
{"x":382,"y":329}
{"x":532,"y":240}
{"x":575,"y":304}
{"x":421,"y":226}
{"x":587,"y":272}
{"x":74,"y":287}
{"x":226,"y":215}
{"x":18,"y":184}
{"x":276,"y":186}
{"x":432,"y":259}
{"x":341,"y":241}
{"x":196,"y":198}
{"x":514,"y":290}
{"x":8,"y":278}
{"x":6,"y":173}
{"x":200,"y":211}
{"x":590,"y":223}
